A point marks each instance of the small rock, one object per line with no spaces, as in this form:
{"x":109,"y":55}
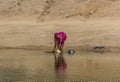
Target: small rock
{"x":42,"y":36}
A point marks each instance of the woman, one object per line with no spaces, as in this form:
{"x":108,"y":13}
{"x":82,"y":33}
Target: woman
{"x":59,"y":39}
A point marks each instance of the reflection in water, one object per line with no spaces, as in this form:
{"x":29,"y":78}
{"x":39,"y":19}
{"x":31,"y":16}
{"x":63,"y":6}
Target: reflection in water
{"x":60,"y":66}
{"x":35,"y":66}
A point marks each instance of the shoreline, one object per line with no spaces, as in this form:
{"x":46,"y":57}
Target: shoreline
{"x":78,"y":49}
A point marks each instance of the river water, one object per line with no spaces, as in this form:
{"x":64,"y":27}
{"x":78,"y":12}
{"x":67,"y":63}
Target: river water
{"x":37,"y":66}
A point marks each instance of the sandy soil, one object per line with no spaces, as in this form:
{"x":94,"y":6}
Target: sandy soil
{"x":42,"y":10}
{"x":82,"y":33}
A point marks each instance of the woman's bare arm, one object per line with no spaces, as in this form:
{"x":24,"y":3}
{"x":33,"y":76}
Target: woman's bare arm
{"x":59,"y":44}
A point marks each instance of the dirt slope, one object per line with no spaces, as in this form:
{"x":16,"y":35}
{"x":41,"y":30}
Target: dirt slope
{"x":57,"y":9}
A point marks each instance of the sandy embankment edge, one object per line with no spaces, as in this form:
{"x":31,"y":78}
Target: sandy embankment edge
{"x":85,"y":35}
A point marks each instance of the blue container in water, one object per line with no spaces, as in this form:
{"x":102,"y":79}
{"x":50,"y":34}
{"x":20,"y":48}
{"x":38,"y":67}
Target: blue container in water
{"x":70,"y":52}
{"x":99,"y":47}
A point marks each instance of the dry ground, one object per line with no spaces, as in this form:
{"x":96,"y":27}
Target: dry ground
{"x":82,"y":33}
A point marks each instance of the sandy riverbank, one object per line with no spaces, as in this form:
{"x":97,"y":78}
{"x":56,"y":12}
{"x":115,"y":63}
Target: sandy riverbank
{"x":81,"y":33}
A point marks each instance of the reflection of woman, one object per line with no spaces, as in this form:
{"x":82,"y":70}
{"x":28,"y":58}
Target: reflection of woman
{"x":60,"y":64}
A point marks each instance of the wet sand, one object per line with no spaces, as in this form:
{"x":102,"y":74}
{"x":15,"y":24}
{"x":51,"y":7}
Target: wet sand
{"x":33,"y":65}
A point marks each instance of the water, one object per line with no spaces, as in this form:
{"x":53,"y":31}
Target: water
{"x":36,"y":66}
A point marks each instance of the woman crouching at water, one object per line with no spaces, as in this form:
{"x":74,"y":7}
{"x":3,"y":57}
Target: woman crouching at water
{"x":59,"y":39}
